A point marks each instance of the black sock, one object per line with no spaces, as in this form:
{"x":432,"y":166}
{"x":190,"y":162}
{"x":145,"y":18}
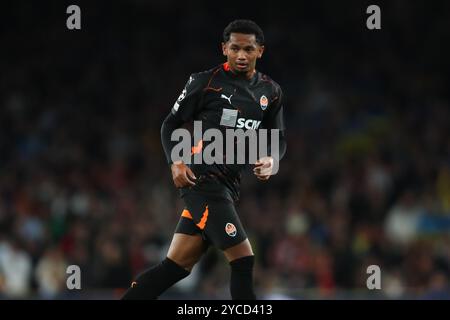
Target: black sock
{"x":154,"y":281}
{"x":241,"y":283}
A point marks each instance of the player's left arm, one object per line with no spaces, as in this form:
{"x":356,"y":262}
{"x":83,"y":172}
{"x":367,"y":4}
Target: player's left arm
{"x":274,"y":123}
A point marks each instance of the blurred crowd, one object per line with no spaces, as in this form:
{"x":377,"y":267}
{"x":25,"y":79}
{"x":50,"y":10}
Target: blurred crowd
{"x":365,"y":180}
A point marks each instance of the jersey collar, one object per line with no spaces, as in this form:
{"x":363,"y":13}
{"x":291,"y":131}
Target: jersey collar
{"x":226,"y":68}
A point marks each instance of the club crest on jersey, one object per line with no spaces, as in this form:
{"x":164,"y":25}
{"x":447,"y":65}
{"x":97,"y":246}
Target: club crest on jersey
{"x":263,"y":102}
{"x":230,"y":229}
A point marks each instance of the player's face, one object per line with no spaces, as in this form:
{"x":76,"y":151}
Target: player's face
{"x":242,"y":50}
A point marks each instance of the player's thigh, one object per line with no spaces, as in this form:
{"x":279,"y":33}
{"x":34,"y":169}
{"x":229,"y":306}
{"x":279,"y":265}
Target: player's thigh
{"x":186,"y":249}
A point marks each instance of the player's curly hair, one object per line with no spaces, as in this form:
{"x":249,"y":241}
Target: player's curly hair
{"x":245,"y":27}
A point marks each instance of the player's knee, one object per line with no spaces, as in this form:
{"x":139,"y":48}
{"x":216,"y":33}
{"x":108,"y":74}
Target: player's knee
{"x":185,"y":250}
{"x":240,"y":250}
{"x":243,"y":263}
{"x":185,"y":262}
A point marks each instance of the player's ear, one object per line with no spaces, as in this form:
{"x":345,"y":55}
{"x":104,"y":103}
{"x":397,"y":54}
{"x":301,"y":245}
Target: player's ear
{"x":261,"y":51}
{"x":224,"y":48}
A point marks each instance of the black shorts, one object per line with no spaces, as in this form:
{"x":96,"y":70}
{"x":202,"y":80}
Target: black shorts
{"x":215,"y":219}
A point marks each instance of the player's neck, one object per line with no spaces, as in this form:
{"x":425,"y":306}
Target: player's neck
{"x":247,"y":76}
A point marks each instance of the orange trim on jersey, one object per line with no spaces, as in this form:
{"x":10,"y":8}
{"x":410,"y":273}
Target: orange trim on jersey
{"x":186,"y":214}
{"x":208,"y":87}
{"x":226,"y":66}
{"x":198,"y":148}
{"x":203,"y":220}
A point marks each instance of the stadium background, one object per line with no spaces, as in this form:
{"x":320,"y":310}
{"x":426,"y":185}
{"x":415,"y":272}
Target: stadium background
{"x":366,"y":178}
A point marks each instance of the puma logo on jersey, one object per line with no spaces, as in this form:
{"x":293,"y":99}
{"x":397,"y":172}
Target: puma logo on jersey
{"x":225,"y":97}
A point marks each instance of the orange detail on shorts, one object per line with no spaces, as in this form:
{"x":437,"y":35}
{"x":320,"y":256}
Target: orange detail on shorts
{"x":197,"y":148}
{"x":186,"y":214}
{"x":202,"y":222}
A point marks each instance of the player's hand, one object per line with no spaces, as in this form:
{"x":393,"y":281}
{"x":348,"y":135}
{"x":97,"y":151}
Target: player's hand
{"x":263,"y":168}
{"x":182,"y":175}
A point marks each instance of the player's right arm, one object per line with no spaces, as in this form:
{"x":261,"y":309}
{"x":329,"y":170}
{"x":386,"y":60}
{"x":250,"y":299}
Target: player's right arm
{"x":182,"y":111}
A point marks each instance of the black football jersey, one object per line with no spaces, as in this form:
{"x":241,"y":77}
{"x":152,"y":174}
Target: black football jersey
{"x":223,"y":100}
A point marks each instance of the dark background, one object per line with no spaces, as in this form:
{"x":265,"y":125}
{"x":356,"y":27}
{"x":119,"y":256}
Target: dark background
{"x":365,"y":180}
